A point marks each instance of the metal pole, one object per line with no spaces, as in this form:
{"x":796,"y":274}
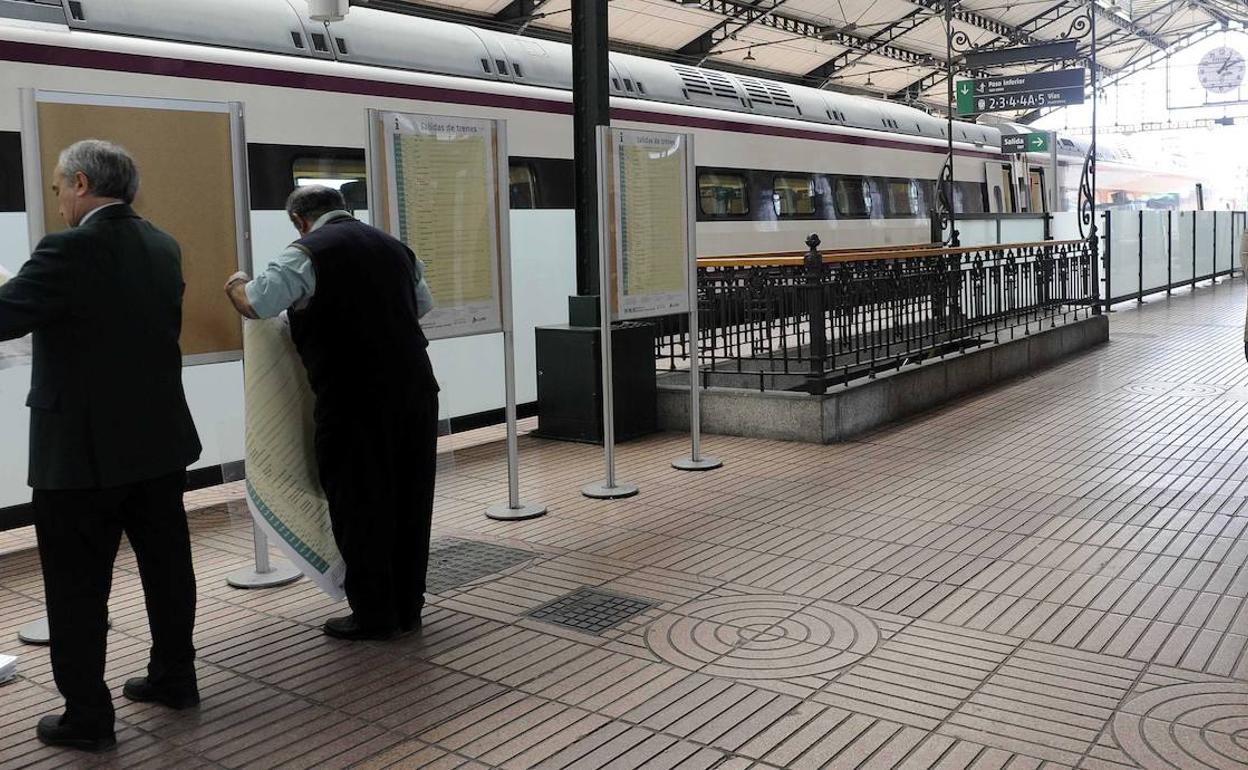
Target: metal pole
{"x":695,"y":461}
{"x":265,"y":574}
{"x":1169,"y":250}
{"x":610,"y":489}
{"x":949,"y":198}
{"x":591,"y":108}
{"x":1139,"y":243}
{"x":514,"y":509}
{"x":1054,"y":183}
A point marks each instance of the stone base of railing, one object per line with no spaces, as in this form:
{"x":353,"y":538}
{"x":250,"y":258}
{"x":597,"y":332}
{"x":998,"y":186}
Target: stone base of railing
{"x":844,"y":412}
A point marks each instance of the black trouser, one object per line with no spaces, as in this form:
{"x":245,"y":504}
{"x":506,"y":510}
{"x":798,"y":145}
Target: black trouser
{"x":79,"y":531}
{"x":378,"y":464}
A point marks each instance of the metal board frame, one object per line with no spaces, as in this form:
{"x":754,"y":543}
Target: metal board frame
{"x":34,"y":174}
{"x":616,"y":201}
{"x":383,"y":203}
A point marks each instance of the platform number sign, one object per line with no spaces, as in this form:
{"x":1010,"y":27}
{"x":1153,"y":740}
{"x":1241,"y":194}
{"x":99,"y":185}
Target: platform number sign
{"x":1010,"y":93}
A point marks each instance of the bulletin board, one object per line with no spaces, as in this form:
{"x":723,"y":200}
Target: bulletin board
{"x":438,"y":183}
{"x":649,"y":203}
{"x":192,"y":166}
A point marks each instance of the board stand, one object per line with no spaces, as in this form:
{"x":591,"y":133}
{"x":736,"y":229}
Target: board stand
{"x":36,"y":632}
{"x":696,"y":461}
{"x":266,"y":573}
{"x":514,"y":509}
{"x":611,"y":488}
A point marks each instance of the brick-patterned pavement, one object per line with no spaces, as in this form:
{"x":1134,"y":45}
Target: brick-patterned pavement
{"x":1049,"y":575}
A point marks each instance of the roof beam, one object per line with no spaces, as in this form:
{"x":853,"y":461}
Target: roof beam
{"x":766,"y":16}
{"x":1127,"y":25}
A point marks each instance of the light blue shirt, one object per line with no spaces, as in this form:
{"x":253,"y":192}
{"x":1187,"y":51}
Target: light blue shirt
{"x":290,"y":280}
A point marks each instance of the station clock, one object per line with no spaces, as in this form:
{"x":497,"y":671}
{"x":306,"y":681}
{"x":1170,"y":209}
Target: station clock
{"x":1221,"y":70}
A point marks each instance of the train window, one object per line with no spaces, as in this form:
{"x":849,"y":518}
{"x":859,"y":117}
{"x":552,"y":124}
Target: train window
{"x":628,"y":84}
{"x":502,"y":66}
{"x":616,"y":83}
{"x":793,"y":195}
{"x":853,"y":198}
{"x":342,"y":45}
{"x":901,"y":196}
{"x":519,"y":72}
{"x":75,"y":10}
{"x":485,"y":64}
{"x":329,"y":171}
{"x":523,"y":185}
{"x":297,"y":39}
{"x":318,"y":42}
{"x":641,"y":87}
{"x":723,"y":195}
{"x":968,"y":197}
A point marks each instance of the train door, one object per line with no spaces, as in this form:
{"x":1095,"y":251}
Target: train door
{"x":1037,"y":190}
{"x":1002,"y":197}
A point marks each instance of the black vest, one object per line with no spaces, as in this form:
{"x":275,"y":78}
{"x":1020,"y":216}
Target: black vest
{"x":359,"y":336}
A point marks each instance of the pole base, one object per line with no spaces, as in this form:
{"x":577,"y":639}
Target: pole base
{"x":279,"y":574}
{"x":704,"y":463}
{"x":36,"y":632}
{"x":504,"y":511}
{"x":604,"y":492}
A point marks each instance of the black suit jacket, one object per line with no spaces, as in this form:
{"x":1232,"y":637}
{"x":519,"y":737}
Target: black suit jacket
{"x":104,"y":301}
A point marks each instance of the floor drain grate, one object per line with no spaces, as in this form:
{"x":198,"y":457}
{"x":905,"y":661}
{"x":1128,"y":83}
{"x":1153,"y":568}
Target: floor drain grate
{"x":454,"y":562}
{"x":591,"y":610}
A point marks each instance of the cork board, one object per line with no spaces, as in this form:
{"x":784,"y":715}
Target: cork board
{"x":186,"y":188}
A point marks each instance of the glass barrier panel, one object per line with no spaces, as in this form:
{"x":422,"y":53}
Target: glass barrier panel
{"x":1204,"y":244}
{"x":976,"y":232}
{"x":1022,"y":230}
{"x":1124,"y":256}
{"x":1066,"y":226}
{"x":1156,"y":261}
{"x":1181,"y":246}
{"x":1225,"y":241}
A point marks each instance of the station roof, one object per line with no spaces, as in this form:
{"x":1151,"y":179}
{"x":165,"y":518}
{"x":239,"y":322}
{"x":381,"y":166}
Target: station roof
{"x":894,"y":49}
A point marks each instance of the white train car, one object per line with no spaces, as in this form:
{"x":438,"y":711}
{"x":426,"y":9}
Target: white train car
{"x":775,"y":161}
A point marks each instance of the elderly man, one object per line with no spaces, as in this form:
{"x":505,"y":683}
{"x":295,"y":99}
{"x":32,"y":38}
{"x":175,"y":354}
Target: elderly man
{"x":110,"y":436}
{"x":355,"y":297}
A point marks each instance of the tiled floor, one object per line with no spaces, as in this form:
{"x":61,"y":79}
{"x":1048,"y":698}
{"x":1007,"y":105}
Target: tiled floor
{"x":1053,"y":574}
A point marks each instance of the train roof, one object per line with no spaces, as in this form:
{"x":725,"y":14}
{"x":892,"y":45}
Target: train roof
{"x":398,"y":41}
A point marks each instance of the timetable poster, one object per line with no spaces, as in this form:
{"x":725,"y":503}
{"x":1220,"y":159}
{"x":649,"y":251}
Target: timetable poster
{"x":652,"y":250}
{"x":442,"y":174}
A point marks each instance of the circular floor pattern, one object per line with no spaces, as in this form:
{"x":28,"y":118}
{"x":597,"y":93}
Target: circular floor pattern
{"x":762,"y":637}
{"x":1193,"y":389}
{"x":1199,"y":725}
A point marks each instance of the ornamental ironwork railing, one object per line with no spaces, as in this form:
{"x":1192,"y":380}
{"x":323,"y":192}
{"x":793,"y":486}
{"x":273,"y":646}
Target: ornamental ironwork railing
{"x":808,"y":322}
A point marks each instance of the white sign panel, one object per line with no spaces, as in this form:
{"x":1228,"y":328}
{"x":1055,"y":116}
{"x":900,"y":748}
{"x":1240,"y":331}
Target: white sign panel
{"x":653,"y":221}
{"x":444,"y":199}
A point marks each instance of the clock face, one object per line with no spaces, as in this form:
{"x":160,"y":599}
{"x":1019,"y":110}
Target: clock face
{"x":1221,"y":70}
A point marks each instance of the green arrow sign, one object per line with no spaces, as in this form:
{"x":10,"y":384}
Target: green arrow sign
{"x":1020,"y":143}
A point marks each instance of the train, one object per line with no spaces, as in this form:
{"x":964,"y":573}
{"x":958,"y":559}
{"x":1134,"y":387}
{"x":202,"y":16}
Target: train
{"x":775,"y":161}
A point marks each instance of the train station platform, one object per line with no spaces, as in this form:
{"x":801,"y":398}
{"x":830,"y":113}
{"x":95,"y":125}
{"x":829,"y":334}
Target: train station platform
{"x":1051,"y":574}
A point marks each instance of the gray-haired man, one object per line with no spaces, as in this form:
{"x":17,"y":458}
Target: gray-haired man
{"x":355,"y":296}
{"x":110,"y":436}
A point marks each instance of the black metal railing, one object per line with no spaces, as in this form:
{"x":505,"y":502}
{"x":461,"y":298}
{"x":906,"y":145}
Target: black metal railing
{"x":804,"y":324}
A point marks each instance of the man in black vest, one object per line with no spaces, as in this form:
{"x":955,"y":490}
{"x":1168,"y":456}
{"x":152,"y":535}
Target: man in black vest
{"x":110,"y":436}
{"x":355,"y":296}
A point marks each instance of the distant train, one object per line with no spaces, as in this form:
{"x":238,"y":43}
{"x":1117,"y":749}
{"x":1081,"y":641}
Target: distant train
{"x":775,"y":161}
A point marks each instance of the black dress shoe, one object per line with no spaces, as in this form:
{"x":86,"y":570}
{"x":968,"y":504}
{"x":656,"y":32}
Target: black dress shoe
{"x":55,"y":731}
{"x":410,"y":626}
{"x":347,"y":627}
{"x":143,"y":691}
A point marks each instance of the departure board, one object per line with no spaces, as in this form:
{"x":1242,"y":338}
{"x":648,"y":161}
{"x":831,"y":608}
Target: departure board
{"x":444,"y":194}
{"x":651,"y":243}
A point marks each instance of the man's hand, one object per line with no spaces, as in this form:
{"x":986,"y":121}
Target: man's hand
{"x":236,"y":290}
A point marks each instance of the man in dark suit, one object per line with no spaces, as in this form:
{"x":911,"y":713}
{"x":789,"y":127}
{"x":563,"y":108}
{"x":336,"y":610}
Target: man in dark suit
{"x":355,"y":296}
{"x":110,"y":436}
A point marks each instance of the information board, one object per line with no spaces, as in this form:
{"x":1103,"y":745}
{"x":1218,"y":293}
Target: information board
{"x":1005,"y":93}
{"x":178,"y":145}
{"x":439,"y":185}
{"x":284,"y":490}
{"x":1022,"y":143}
{"x":651,"y":207}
